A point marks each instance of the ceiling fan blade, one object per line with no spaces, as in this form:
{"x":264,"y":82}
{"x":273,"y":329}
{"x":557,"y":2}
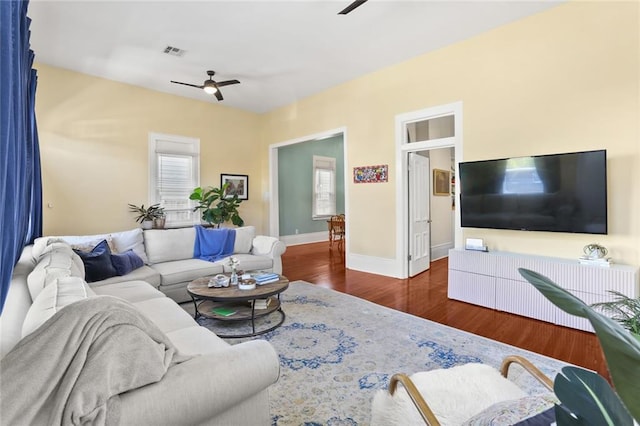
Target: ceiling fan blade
{"x":187,"y":84}
{"x":226,"y":83}
{"x":219,"y":95}
{"x":352,"y":6}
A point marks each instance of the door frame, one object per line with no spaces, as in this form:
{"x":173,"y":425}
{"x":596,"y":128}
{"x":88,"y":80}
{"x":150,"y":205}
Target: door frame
{"x":273,"y":197}
{"x":403,"y":147}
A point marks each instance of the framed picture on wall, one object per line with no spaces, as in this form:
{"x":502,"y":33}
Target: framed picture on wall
{"x":238,"y":185}
{"x":441,"y":182}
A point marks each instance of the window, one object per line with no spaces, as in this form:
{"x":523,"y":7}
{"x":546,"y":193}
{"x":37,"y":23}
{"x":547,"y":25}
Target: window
{"x":174,"y":171}
{"x":521,"y":177}
{"x":431,"y":129}
{"x":324,"y":187}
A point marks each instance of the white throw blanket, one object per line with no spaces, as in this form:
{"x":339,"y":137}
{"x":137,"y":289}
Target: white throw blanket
{"x":72,"y":369}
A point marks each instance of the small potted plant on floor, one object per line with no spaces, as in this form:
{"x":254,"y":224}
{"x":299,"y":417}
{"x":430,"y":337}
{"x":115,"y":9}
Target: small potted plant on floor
{"x":216,"y":207}
{"x":147,"y":215}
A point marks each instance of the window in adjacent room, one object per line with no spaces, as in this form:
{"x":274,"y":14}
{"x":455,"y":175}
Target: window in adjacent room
{"x":324,"y":187}
{"x":174,"y":171}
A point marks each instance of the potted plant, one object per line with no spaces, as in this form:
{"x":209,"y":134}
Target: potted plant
{"x":217,"y":207}
{"x":159,"y":218}
{"x":147,"y":215}
{"x":586,"y":398}
{"x":623,"y":309}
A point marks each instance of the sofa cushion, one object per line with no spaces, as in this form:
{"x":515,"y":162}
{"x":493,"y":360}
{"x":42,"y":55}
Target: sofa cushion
{"x":131,"y":291}
{"x":89,"y":245}
{"x":126,"y":262}
{"x":248,"y":262}
{"x":165,"y":313}
{"x":196,"y":340}
{"x":121,"y":241}
{"x":186,"y":270}
{"x":52,"y":298}
{"x":141,"y":274}
{"x":54,"y":245}
{"x":55,"y":263}
{"x":244,"y":239}
{"x":97,"y":262}
{"x":130,"y":240}
{"x":165,"y":245}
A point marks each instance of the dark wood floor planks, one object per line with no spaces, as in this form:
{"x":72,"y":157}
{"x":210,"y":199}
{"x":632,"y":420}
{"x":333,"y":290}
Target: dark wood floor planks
{"x":426,"y":296}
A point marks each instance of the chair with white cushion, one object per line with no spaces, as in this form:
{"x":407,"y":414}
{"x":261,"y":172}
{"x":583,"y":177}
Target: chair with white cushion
{"x":470,"y":394}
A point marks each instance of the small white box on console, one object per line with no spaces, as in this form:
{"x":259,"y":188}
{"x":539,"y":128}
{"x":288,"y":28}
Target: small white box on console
{"x":476,"y":244}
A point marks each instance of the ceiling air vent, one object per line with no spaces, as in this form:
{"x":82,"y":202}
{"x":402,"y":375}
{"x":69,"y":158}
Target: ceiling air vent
{"x":174,"y":51}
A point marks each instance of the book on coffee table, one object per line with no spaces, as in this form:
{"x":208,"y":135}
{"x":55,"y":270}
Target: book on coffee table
{"x":224,"y":312}
{"x":261,"y":303}
{"x":266,"y":278}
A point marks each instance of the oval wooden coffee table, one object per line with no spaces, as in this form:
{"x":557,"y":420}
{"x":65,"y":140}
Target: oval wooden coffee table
{"x":232,"y":304}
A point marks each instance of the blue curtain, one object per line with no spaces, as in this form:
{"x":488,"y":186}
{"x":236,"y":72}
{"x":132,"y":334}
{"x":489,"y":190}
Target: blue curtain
{"x":20,"y":180}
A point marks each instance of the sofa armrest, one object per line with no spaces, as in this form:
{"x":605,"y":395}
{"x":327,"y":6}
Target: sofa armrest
{"x":269,"y":246}
{"x":197,"y":390}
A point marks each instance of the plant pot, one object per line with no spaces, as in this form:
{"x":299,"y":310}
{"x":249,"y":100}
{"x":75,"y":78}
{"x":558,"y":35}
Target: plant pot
{"x":147,"y":224}
{"x":158,"y":223}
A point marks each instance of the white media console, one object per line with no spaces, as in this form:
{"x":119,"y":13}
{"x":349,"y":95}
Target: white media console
{"x":492,"y":280}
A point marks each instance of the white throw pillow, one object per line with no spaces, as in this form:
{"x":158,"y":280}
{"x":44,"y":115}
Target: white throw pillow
{"x":119,"y":242}
{"x":130,"y":240}
{"x":244,"y":239}
{"x":60,"y":293}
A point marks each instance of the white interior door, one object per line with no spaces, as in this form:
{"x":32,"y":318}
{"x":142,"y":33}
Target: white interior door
{"x":419,"y":214}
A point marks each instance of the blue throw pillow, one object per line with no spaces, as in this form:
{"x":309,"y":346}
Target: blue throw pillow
{"x":126,"y":262}
{"x":97,"y":263}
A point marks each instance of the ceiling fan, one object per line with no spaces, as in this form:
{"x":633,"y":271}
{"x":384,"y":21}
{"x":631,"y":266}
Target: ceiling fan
{"x":352,"y":6}
{"x":210,"y":86}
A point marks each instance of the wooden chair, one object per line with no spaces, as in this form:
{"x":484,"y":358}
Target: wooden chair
{"x":336,"y":230}
{"x":458,"y":394}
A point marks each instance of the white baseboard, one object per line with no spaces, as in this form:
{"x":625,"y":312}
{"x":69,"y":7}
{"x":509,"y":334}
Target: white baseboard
{"x":313,"y":237}
{"x":363,"y":263}
{"x":441,"y":250}
{"x":374,"y":265}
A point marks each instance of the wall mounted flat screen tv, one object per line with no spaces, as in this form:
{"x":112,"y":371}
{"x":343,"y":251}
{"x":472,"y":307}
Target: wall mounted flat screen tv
{"x":557,"y":193}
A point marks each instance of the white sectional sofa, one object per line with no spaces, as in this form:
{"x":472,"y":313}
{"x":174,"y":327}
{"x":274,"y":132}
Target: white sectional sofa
{"x":168,"y":256}
{"x":221,"y":385}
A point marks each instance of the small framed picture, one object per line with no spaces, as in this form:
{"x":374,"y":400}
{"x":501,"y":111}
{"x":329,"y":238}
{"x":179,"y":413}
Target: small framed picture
{"x":441,"y":182}
{"x":238,"y":185}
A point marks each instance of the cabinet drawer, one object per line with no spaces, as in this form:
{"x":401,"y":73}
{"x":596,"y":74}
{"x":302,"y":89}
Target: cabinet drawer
{"x":472,"y":288}
{"x":472,"y":261}
{"x":522,"y":298}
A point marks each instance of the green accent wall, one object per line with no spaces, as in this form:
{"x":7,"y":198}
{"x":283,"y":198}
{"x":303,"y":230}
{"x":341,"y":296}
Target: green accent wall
{"x":295,"y":183}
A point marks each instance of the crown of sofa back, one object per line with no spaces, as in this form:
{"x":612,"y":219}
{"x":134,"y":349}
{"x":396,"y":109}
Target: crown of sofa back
{"x":165,"y":245}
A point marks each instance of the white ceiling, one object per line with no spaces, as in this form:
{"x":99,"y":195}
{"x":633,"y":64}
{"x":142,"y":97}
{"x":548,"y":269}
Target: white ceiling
{"x":281,"y":51}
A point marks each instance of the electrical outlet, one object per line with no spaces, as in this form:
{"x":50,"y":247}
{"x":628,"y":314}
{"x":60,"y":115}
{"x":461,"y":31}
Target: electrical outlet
{"x":297,"y":232}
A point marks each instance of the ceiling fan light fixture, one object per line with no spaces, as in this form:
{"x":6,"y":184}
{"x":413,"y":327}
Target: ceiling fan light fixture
{"x":210,"y":87}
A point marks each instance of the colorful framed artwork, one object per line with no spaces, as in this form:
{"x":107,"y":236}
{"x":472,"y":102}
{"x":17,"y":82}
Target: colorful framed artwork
{"x":371,"y":174}
{"x":238,"y":185}
{"x":441,"y":182}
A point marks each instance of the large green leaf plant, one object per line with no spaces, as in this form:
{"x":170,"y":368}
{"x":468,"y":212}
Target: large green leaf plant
{"x":217,"y":207}
{"x":586,"y":398}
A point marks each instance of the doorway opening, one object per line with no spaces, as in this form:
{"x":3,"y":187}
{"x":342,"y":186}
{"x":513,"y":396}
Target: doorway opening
{"x":293,"y":167}
{"x":435,"y":133}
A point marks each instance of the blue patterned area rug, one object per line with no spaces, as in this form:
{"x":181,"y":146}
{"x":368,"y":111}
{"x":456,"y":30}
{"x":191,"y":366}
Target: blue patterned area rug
{"x":336,"y":350}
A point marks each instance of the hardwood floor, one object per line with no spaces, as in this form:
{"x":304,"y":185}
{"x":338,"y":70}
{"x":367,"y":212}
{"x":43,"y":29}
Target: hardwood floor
{"x":426,"y":296}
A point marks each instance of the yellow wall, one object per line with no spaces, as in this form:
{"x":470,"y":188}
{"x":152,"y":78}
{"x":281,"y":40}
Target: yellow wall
{"x":564,"y":80}
{"x":94,"y":148}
